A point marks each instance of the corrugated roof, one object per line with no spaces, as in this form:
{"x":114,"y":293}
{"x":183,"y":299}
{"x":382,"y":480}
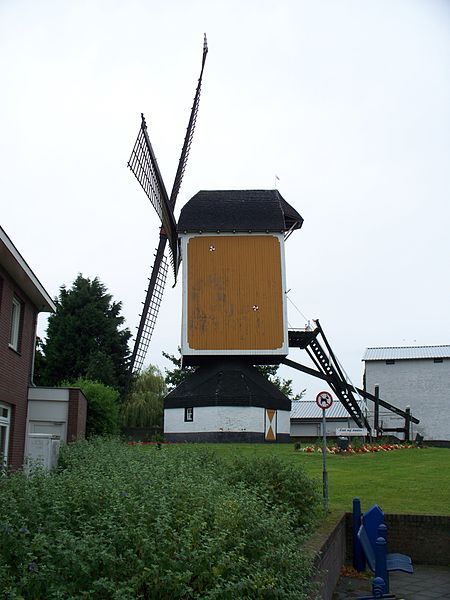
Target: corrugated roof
{"x":406,"y":352}
{"x":308,"y":409}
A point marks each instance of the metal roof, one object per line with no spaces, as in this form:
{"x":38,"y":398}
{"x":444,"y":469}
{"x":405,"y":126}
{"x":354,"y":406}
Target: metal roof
{"x":406,"y":352}
{"x":308,"y":409}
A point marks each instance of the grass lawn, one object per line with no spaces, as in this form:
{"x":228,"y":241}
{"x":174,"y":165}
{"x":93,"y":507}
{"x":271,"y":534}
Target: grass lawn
{"x":401,"y":481}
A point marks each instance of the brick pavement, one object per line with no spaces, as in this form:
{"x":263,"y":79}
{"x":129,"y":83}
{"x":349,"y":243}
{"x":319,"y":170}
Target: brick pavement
{"x":427,"y":583}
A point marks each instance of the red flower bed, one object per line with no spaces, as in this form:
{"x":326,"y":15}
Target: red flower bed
{"x":364,"y":448}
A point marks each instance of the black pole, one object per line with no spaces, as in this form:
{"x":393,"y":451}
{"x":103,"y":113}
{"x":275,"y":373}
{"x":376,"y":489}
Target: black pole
{"x":376,"y":421}
{"x":324,"y":456}
{"x":408,"y":424}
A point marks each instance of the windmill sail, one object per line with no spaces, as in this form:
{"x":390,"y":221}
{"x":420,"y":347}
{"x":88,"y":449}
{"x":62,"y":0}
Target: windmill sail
{"x":145,"y":168}
{"x":189,"y":132}
{"x":151,"y":306}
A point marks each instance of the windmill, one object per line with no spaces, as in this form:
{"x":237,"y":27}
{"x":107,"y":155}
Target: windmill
{"x":234,"y":313}
{"x":145,"y":168}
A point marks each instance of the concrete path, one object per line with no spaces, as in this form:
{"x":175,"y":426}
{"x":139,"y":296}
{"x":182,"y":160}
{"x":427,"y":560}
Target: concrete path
{"x":427,"y":583}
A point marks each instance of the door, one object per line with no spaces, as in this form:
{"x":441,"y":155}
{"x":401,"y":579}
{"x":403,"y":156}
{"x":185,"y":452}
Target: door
{"x":271,"y":425}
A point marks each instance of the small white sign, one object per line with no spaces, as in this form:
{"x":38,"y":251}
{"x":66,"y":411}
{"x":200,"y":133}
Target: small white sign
{"x":349,"y":431}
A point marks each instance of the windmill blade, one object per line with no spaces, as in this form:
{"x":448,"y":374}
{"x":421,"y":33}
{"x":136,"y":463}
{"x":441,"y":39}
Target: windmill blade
{"x":189,"y":132}
{"x":151,"y":307}
{"x":145,"y":168}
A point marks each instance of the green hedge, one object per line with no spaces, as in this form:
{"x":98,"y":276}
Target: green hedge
{"x":115,"y":522}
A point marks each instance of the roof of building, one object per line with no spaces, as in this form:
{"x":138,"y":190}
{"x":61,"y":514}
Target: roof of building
{"x":227,"y":383}
{"x":308,"y":409}
{"x":238,"y":210}
{"x":14,"y":263}
{"x":406,"y":352}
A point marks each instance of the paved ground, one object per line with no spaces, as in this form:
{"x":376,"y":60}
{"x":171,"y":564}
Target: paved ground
{"x":427,"y":583}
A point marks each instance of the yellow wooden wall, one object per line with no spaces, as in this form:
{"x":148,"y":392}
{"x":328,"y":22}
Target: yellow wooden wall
{"x":234,"y":293}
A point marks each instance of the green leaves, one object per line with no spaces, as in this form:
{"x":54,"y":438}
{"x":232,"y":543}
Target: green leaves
{"x":144,"y":404}
{"x":102,"y":406}
{"x":118,"y":521}
{"x":85,"y":338}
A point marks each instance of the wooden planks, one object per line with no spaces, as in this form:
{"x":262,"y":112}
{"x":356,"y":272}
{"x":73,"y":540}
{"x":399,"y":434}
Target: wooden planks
{"x":235,"y":295}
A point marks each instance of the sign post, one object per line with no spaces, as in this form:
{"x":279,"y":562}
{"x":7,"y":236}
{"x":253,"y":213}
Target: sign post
{"x":324,"y":400}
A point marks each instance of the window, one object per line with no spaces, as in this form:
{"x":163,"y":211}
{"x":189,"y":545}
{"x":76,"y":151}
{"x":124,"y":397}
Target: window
{"x":5,"y":419}
{"x":189,"y":414}
{"x":390,"y":362}
{"x":16,"y":318}
{"x":438,"y":360}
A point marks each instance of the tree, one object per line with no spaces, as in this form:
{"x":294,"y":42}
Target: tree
{"x":144,"y":404}
{"x":284,"y":385}
{"x":85,"y":338}
{"x":177,"y":375}
{"x":102,"y":406}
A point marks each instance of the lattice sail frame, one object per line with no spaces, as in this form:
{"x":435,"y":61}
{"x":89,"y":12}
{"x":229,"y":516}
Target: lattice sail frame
{"x":145,"y":168}
{"x":151,"y":314}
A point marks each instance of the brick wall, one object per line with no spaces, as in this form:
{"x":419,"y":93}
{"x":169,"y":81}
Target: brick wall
{"x":76,"y":426}
{"x":425,"y":538}
{"x":331,"y":551}
{"x":16,"y":367}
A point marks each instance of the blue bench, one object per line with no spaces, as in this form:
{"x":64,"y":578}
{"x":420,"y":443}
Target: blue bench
{"x":394,"y":561}
{"x":370,"y":544}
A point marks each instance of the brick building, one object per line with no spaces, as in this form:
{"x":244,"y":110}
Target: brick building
{"x":22,"y":298}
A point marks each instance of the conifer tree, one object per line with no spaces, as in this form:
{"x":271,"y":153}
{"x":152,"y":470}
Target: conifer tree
{"x":85,"y":338}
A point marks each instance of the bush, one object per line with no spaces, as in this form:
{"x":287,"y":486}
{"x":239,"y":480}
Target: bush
{"x":115,"y":522}
{"x":285,"y":487}
{"x":102,"y":407}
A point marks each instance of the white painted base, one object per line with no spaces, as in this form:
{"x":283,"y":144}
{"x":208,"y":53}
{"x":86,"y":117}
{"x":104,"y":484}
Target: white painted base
{"x":223,"y":418}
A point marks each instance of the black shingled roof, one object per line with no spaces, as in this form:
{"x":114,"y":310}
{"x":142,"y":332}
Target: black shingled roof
{"x":238,"y":210}
{"x":227,"y":383}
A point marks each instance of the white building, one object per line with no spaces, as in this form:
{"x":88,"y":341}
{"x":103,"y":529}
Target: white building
{"x":415,"y":376}
{"x":226,"y":402}
{"x":306,"y":419}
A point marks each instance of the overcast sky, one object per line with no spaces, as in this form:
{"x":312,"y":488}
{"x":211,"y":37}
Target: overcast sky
{"x":346,"y":101}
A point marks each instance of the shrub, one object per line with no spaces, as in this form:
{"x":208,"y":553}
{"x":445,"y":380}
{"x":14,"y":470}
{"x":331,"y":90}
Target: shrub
{"x":285,"y":486}
{"x":115,"y":522}
{"x":102,"y":407}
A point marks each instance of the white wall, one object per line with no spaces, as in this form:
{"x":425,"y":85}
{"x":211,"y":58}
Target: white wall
{"x":48,"y":412}
{"x":43,"y":393}
{"x":421,"y":384}
{"x":283,"y":421}
{"x":305,"y":429}
{"x":222,"y":418}
{"x":315,"y":429}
